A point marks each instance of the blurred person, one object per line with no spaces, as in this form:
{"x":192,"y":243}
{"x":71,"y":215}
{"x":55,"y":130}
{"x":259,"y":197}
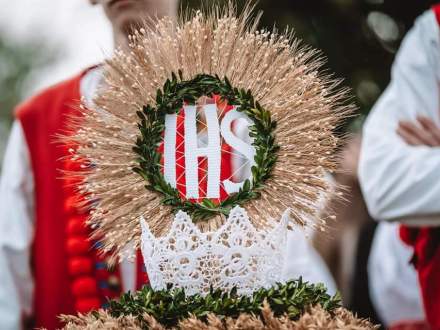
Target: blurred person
{"x":399,"y":175}
{"x":48,"y":265}
{"x":393,"y":284}
{"x":349,"y":213}
{"x":346,"y":246}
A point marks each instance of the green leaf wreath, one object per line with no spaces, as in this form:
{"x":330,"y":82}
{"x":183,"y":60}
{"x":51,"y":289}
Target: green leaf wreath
{"x":175,"y":93}
{"x":169,"y":306}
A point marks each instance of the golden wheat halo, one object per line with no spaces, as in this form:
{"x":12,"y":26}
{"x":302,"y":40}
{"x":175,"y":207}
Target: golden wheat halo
{"x":282,"y":75}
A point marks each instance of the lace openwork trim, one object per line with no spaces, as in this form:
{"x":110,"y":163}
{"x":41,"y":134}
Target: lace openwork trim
{"x":236,"y":254}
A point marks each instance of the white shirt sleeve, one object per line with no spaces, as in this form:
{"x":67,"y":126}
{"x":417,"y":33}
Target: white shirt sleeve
{"x":16,"y":231}
{"x":400,"y":181}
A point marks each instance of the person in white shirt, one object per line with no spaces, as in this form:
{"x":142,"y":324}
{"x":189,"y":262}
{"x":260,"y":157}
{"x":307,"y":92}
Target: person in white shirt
{"x":399,"y":169}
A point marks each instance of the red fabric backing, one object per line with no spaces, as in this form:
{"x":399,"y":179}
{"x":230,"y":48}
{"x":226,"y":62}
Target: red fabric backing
{"x":226,"y":159}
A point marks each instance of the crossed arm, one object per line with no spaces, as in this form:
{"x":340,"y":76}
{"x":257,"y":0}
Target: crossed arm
{"x":423,"y":132}
{"x":399,"y":166}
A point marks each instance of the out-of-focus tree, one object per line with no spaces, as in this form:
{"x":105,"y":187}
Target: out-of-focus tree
{"x":18,"y":61}
{"x":359,"y":38}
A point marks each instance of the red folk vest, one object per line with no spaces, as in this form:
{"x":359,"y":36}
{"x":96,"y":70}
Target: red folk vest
{"x":426,"y":244}
{"x":69,"y":274}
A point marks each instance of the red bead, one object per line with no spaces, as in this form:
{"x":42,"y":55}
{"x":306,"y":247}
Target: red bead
{"x":84,"y":287}
{"x":78,"y":245}
{"x":85,"y":305}
{"x":76,"y":225}
{"x":80,"y":266}
{"x":71,"y":204}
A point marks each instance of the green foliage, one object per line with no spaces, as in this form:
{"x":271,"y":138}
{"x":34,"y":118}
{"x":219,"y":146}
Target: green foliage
{"x":17,"y":63}
{"x":171,"y":305}
{"x":177,"y":92}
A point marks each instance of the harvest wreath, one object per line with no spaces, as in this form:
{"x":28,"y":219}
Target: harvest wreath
{"x":209,"y":142}
{"x":265,"y":79}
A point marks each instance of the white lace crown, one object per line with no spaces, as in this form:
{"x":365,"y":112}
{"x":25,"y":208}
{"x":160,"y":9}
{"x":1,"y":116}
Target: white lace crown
{"x":235,"y":255}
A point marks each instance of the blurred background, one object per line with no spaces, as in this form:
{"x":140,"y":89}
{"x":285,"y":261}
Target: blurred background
{"x":42,"y":42}
{"x":45,"y":41}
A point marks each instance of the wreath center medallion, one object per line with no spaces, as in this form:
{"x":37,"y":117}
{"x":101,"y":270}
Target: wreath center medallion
{"x":205,"y":145}
{"x":202,"y":154}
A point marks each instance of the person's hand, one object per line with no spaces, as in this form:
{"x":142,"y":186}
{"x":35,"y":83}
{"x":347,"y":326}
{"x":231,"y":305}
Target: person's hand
{"x":422,"y":132}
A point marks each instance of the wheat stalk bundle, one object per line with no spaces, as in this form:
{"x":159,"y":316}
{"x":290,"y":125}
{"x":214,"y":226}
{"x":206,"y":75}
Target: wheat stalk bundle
{"x":284,"y":77}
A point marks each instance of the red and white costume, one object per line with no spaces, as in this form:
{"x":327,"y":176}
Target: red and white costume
{"x":401,"y":183}
{"x":38,"y":222}
{"x":49,"y":267}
